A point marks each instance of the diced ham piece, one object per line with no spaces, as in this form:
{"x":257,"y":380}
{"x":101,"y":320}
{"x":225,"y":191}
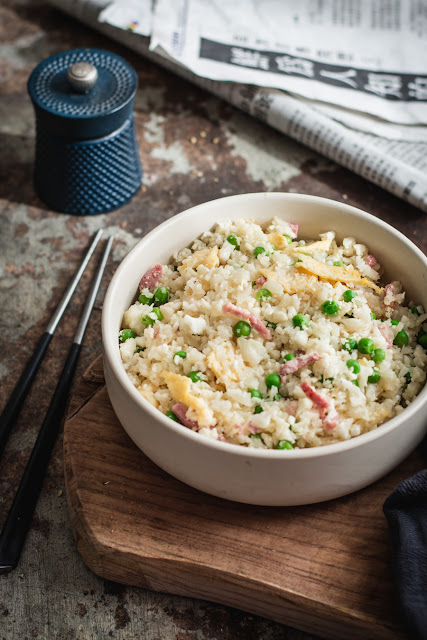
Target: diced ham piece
{"x":156,"y":333}
{"x":255,"y":322}
{"x":261,"y":280}
{"x":292,"y":408}
{"x":371,"y":261}
{"x":151,"y":277}
{"x":385,"y":331}
{"x":314,"y":396}
{"x":327,"y":411}
{"x":240,"y":429}
{"x":290,"y":366}
{"x":388,"y":298}
{"x":294,"y":228}
{"x":253,"y":428}
{"x":180,"y":411}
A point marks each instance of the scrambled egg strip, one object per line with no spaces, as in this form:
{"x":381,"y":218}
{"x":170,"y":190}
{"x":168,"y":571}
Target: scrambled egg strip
{"x":348,"y":275}
{"x":280,"y":242}
{"x":314,"y":247}
{"x":295,"y":283}
{"x":206,"y":257}
{"x":180,"y":388}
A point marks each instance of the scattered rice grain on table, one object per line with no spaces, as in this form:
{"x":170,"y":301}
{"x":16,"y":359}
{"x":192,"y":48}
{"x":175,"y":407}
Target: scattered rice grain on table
{"x":258,"y":338}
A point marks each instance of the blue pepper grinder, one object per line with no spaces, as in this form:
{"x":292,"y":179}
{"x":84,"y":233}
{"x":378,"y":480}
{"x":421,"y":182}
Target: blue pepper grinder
{"x":86,"y":159}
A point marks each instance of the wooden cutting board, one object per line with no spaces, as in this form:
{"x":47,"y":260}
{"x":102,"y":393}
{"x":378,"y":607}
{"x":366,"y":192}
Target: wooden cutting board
{"x":324,"y":569}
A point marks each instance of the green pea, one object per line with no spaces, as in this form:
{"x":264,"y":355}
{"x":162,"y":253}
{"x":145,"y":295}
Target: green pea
{"x":256,"y":436}
{"x":272,"y":325}
{"x":241,"y":328}
{"x":422,"y":338}
{"x":349,"y":295}
{"x":181,"y":354}
{"x":172,"y":416}
{"x":147,"y":320}
{"x":401,"y":339}
{"x":395,"y":322}
{"x":272,"y":380}
{"x":157,"y":313}
{"x":356,"y":383}
{"x":414,"y":310}
{"x":373,"y":316}
{"x":338,"y":263}
{"x":194,"y":376}
{"x":376,"y":375}
{"x":330,"y":307}
{"x":278,"y":396}
{"x":300,"y":320}
{"x":262,"y":294}
{"x":258,"y":250}
{"x":258,"y":409}
{"x":125,"y":334}
{"x":288,"y":238}
{"x":144,"y":300}
{"x":161,"y":295}
{"x":350,"y":345}
{"x":378,"y":355}
{"x":288,"y":356}
{"x":353,"y":364}
{"x":365,"y":345}
{"x":284,"y":444}
{"x":233,"y":240}
{"x":255,"y":393}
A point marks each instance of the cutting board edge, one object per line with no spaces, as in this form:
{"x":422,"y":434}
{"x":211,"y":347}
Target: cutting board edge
{"x":200,"y":581}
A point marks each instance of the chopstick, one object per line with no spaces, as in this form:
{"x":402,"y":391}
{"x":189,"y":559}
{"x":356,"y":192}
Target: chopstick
{"x":19,"y":393}
{"x":18,"y":521}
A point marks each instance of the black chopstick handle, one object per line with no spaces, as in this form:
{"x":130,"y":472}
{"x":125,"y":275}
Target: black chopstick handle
{"x":18,"y":521}
{"x":14,"y":404}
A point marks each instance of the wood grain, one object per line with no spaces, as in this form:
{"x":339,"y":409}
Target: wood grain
{"x":324,"y":568}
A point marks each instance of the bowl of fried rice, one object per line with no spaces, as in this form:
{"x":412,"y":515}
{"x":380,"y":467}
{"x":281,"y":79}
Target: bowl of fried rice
{"x":270,"y":348}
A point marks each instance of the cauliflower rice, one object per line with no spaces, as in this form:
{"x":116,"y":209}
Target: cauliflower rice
{"x":257,"y":338}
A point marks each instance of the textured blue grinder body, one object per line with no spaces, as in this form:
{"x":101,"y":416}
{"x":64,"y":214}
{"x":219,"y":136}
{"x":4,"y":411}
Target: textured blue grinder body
{"x":86,"y":159}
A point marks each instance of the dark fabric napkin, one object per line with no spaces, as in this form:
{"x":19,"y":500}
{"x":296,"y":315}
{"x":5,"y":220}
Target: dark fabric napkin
{"x":406,"y":512}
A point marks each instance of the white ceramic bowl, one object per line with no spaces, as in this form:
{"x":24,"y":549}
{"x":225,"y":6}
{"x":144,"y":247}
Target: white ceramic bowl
{"x":254,"y":476}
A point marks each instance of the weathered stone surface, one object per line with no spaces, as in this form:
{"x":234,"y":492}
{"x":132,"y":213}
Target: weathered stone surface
{"x":193,"y":148}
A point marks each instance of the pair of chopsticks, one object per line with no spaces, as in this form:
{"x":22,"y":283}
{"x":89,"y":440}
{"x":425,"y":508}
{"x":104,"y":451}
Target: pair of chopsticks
{"x":19,"y":518}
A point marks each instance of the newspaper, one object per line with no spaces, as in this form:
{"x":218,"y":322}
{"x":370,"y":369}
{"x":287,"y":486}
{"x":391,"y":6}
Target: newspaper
{"x":307,"y":48}
{"x":344,"y":77}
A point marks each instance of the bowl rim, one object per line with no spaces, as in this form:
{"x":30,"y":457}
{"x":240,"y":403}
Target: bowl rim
{"x":112,"y":353}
